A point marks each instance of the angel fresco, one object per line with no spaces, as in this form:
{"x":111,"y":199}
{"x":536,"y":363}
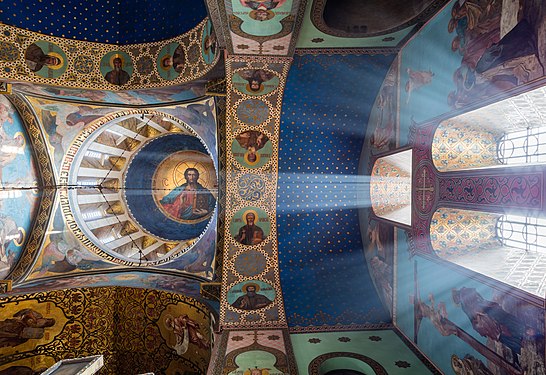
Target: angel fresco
{"x":63,"y":122}
{"x":64,"y":254}
{"x":384,"y":135}
{"x":417,"y":79}
{"x":490,"y":320}
{"x":186,"y":332}
{"x":256,"y":79}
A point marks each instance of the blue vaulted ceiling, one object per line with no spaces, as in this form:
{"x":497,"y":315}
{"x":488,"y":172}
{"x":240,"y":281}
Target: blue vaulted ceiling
{"x":324,"y":276}
{"x":107,"y":21}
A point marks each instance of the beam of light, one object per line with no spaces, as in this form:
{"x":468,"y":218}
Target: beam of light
{"x":300,"y":192}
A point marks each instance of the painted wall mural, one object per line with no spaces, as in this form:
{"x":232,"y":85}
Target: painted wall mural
{"x":126,"y":325}
{"x":383,"y":122}
{"x":451,"y":317}
{"x":380,"y":255}
{"x":62,"y":253}
{"x":261,"y":27}
{"x":176,"y":93}
{"x":18,"y":175}
{"x":68,"y":63}
{"x":483,"y":49}
{"x":156,"y":279}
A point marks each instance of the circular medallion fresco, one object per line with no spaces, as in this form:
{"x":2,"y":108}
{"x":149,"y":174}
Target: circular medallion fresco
{"x":250,"y":226}
{"x":116,"y":67}
{"x":171,"y":61}
{"x":251,"y":295}
{"x":208,"y":43}
{"x":255,"y":81}
{"x":180,"y":186}
{"x":173,"y":187}
{"x":46,"y":59}
{"x":252,"y":149}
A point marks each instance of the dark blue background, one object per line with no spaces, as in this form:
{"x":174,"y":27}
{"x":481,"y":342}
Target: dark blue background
{"x":106,"y":21}
{"x":326,"y":106}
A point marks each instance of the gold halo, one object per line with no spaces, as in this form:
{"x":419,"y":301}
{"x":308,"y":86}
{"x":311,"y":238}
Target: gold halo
{"x":167,"y":56}
{"x":24,"y":233}
{"x":116,"y":56}
{"x":270,"y":15}
{"x":252,"y":162}
{"x":61,"y":61}
{"x":257,"y":91}
{"x":250,"y":212}
{"x":244,"y":288}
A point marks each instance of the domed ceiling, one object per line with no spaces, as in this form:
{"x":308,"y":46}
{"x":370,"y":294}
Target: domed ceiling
{"x":118,"y":187}
{"x":142,"y":187}
{"x":113,"y":21}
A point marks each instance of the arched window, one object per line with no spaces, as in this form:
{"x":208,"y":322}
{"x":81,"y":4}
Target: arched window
{"x":523,"y":146}
{"x":508,"y":248}
{"x":522,"y":232}
{"x":390,"y":187}
{"x":511,"y":131}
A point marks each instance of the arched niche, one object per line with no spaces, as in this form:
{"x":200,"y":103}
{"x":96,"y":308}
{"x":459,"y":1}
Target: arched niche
{"x":509,"y":132}
{"x":329,"y":363}
{"x":507,"y":248}
{"x":390,"y":187}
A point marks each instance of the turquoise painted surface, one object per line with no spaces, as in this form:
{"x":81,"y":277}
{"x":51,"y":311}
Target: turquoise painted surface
{"x":17,"y":171}
{"x":383,"y":346}
{"x":429,"y":50}
{"x":438,"y":281}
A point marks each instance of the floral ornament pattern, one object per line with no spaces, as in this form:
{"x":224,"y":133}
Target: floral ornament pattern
{"x":251,"y":187}
{"x":402,"y":364}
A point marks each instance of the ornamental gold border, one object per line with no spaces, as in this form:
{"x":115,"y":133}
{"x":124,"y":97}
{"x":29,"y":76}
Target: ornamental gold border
{"x":18,"y":70}
{"x":47,"y":186}
{"x":269,"y":173}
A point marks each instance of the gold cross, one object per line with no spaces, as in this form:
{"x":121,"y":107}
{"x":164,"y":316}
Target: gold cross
{"x":425,"y":188}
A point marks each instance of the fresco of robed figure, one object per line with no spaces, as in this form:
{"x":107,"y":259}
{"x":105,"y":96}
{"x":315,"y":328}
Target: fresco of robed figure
{"x":190,"y":200}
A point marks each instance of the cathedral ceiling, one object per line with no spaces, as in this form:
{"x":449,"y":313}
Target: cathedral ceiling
{"x":72,"y":212}
{"x":317,"y":137}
